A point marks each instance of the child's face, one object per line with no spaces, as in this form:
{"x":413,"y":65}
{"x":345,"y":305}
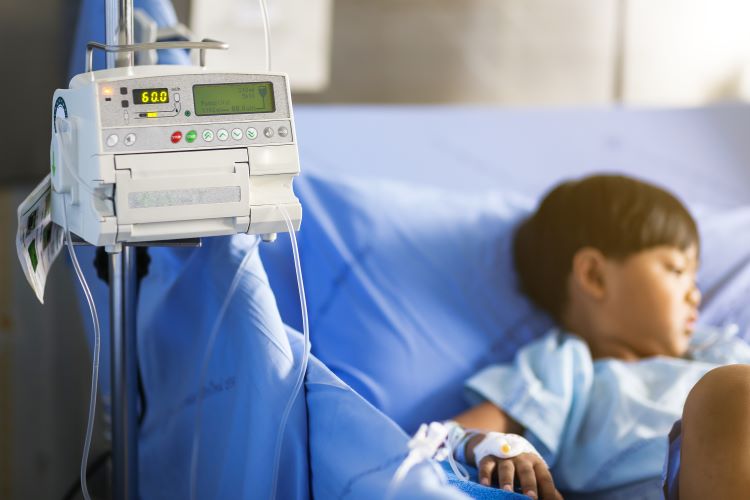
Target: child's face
{"x":652,"y":300}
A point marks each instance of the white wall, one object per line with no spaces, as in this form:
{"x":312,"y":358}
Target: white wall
{"x":533,"y":52}
{"x":538,"y":52}
{"x":686,"y":51}
{"x":300,"y":37}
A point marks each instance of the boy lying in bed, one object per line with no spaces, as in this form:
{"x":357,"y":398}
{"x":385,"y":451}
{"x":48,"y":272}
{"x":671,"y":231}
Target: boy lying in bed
{"x":613,"y":260}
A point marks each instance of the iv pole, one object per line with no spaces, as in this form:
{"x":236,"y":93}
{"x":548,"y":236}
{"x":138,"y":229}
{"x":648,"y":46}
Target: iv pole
{"x":122,"y":286}
{"x":119,"y":50}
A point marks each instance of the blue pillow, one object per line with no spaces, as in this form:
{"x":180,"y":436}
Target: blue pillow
{"x":724,"y":277}
{"x":410,"y":290}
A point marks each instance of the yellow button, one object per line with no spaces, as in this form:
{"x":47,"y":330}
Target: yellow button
{"x":152,"y":114}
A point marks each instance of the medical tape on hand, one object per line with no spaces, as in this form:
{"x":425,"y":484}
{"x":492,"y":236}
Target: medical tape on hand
{"x":456,"y":434}
{"x":457,"y":439}
{"x":501,"y":445}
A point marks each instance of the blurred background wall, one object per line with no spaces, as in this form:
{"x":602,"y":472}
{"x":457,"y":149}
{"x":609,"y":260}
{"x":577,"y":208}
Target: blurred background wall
{"x":478,"y":52}
{"x":487,"y":52}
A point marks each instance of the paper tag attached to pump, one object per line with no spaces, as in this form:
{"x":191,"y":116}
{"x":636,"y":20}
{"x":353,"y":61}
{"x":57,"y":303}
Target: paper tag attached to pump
{"x":38,"y":239}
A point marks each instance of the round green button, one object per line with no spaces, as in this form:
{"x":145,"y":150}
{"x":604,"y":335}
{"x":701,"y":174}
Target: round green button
{"x":191,"y":136}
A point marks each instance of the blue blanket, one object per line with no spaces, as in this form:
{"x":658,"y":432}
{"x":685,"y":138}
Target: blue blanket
{"x":335,"y":445}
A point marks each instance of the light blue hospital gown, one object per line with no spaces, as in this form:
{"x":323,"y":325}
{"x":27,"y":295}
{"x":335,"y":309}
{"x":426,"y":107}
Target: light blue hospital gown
{"x":600,"y":424}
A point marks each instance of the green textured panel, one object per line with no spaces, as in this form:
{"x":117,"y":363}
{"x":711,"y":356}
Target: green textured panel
{"x":233,"y":98}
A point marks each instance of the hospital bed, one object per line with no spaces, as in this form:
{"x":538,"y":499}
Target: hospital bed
{"x":407,"y":219}
{"x":406,"y":245}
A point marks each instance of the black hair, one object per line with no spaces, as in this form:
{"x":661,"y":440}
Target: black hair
{"x":615,"y":214}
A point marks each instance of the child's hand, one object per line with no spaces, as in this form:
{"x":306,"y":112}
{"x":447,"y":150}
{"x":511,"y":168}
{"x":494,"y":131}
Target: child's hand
{"x":502,"y":459}
{"x":533,"y":475}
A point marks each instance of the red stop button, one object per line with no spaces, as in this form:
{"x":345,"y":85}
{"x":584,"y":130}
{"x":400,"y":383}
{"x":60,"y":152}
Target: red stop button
{"x":176,"y":137}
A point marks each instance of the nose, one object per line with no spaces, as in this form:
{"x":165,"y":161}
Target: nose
{"x":694,"y":296}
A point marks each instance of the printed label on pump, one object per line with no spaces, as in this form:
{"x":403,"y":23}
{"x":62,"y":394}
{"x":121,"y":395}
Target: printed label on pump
{"x":38,"y":239}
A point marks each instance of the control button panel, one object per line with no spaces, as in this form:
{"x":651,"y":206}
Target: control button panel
{"x":196,"y":136}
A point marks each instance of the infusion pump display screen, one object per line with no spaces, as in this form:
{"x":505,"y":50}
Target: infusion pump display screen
{"x":233,"y":98}
{"x":150,"y":96}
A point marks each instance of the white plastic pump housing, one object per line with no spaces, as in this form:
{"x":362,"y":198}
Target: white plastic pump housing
{"x":150,"y":153}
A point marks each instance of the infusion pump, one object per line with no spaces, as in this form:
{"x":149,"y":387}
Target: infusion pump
{"x":147,"y":153}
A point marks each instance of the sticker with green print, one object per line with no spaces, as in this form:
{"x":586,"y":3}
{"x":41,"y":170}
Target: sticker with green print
{"x":32,"y":255}
{"x":38,"y":239}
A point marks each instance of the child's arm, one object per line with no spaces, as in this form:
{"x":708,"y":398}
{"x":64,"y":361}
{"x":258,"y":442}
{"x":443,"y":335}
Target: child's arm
{"x":532,"y":472}
{"x":488,"y":417}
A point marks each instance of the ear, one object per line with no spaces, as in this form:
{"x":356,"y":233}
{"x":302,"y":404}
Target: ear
{"x":588,"y":273}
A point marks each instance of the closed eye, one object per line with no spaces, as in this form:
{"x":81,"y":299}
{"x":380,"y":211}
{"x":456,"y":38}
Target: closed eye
{"x":679,"y":271}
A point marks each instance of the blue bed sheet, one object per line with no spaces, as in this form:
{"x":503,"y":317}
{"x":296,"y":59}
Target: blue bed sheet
{"x":335,"y":445}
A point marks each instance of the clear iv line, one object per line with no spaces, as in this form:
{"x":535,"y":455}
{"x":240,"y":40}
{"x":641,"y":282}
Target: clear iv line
{"x":209,"y":348}
{"x":64,"y":161}
{"x":430,"y":443}
{"x":95,"y":364}
{"x":305,"y":351}
{"x":266,"y":33}
{"x":204,"y":368}
{"x":85,"y":187}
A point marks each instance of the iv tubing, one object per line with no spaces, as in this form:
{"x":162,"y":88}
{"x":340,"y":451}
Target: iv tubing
{"x":266,"y":33}
{"x":305,"y":351}
{"x":431,"y":442}
{"x":95,"y":364}
{"x":67,"y":164}
{"x":204,"y":368}
{"x":209,"y":348}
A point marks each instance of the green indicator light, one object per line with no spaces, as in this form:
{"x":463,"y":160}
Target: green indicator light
{"x":187,"y":112}
{"x":191,"y":136}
